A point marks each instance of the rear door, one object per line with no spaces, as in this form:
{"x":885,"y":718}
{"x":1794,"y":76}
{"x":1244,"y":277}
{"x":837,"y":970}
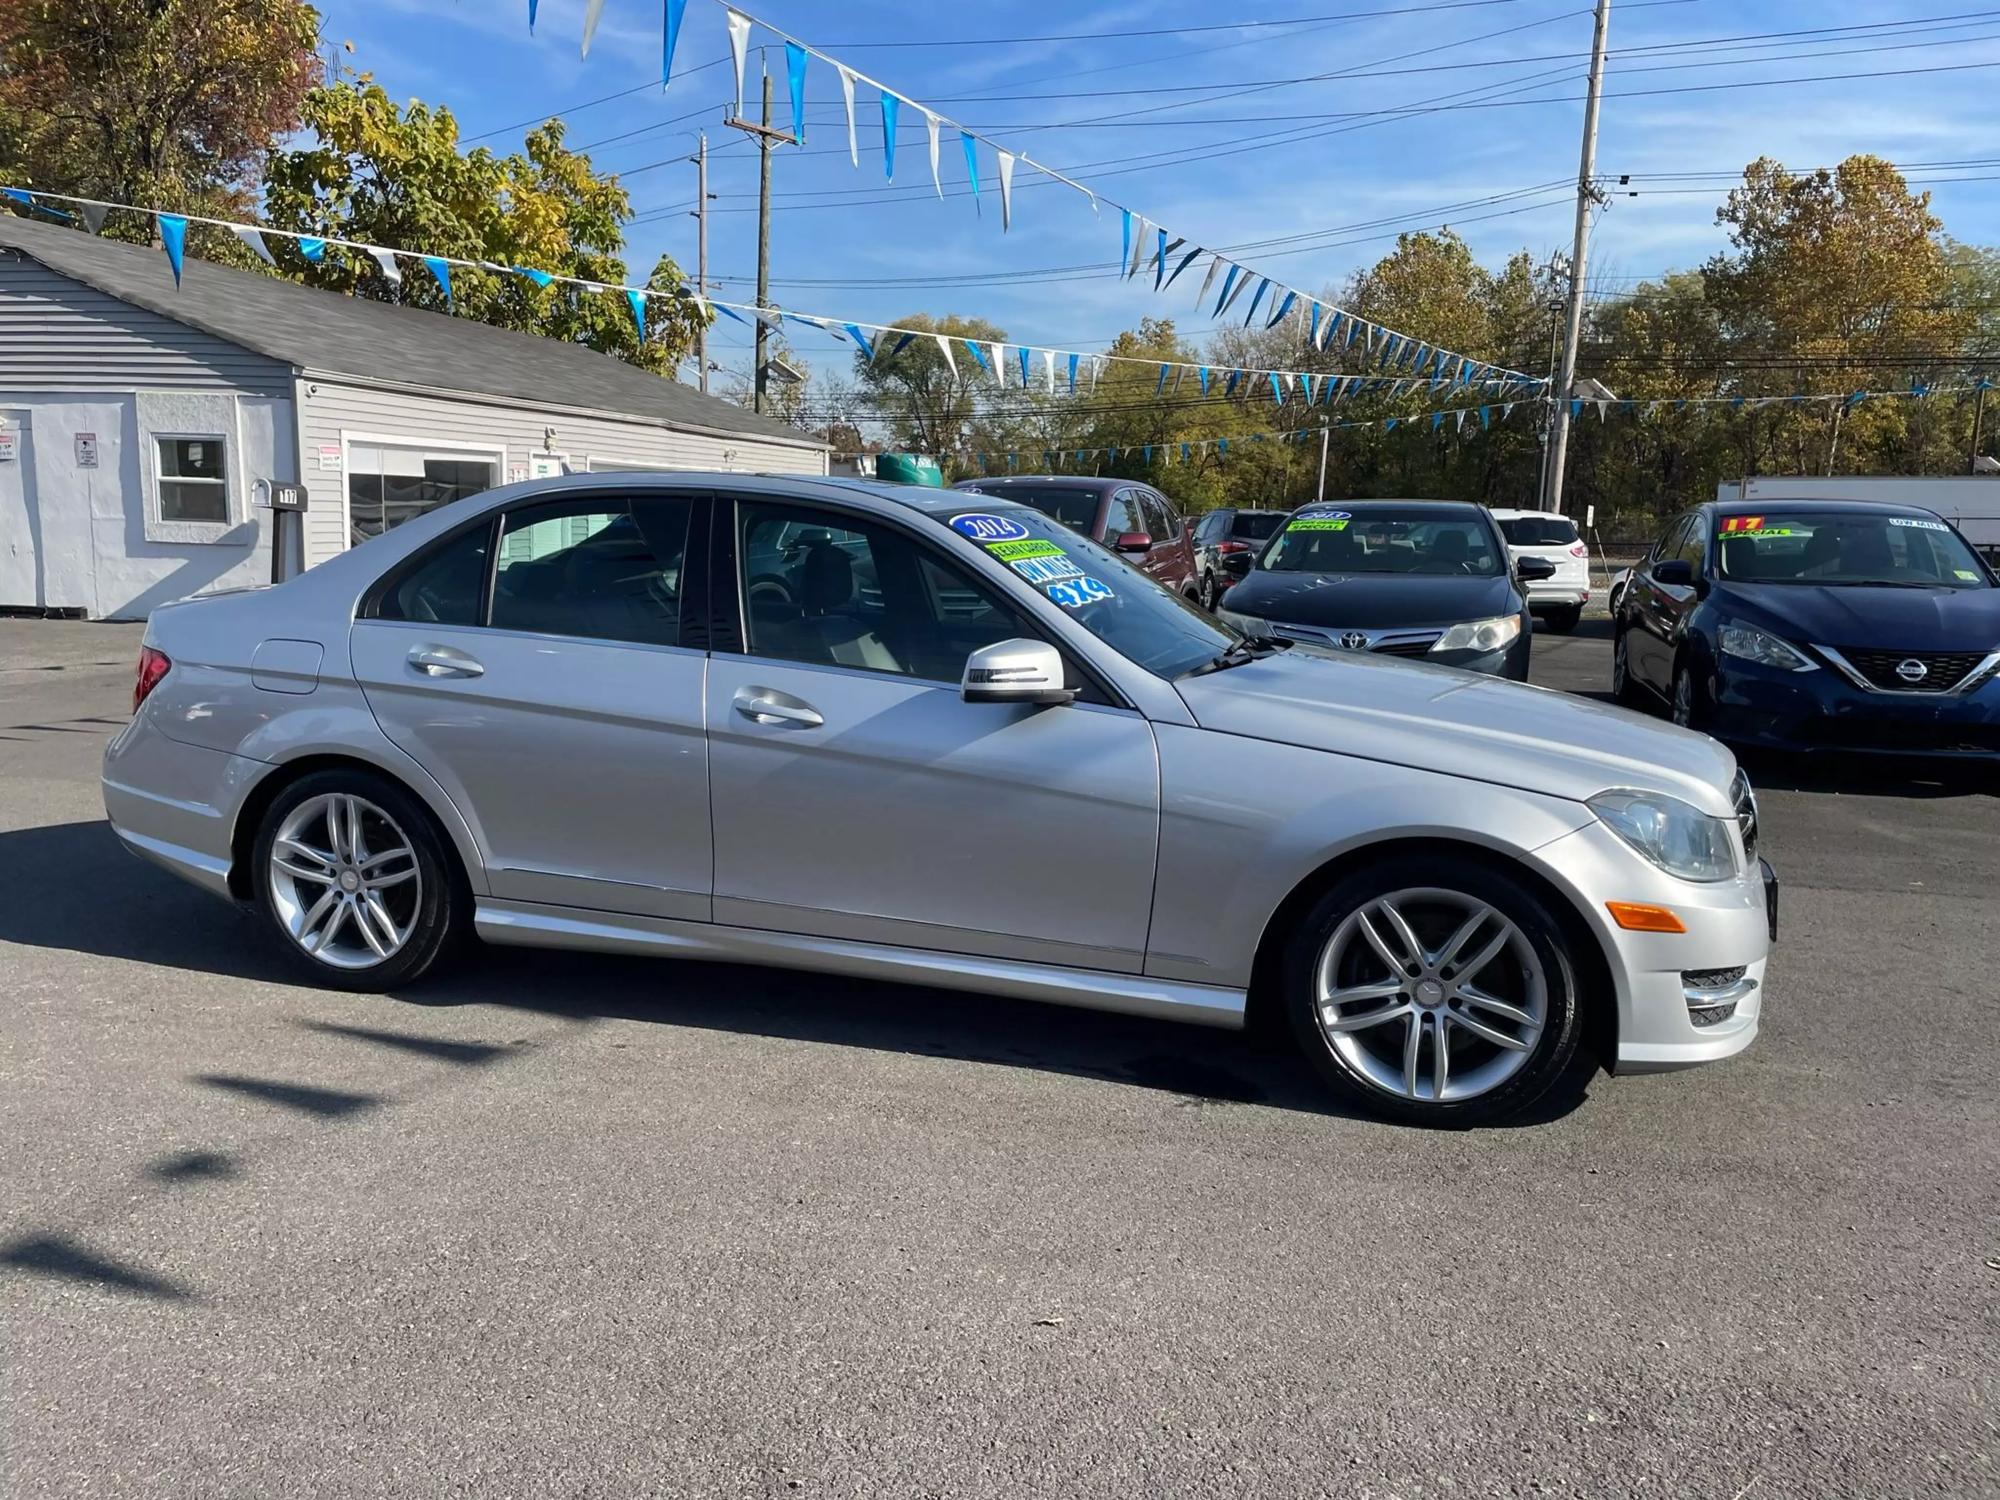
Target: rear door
{"x":1166,"y":560}
{"x":534,"y":666}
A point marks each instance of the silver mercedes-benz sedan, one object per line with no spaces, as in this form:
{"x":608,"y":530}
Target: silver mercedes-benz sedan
{"x":933,"y":736}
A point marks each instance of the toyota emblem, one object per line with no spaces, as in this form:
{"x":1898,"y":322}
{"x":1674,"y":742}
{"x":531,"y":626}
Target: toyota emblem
{"x":1912,"y":670}
{"x":1354,"y":640}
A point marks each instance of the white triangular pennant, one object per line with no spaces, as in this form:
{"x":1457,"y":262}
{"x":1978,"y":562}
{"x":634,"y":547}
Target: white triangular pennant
{"x":93,"y":215}
{"x":847,"y":94}
{"x":931,"y":125}
{"x":243,"y":232}
{"x":590,"y":14}
{"x":386,"y":259}
{"x":999,"y":362}
{"x":1049,"y":364}
{"x":1006,"y":159}
{"x":739,"y":45}
{"x":1214,"y":265}
{"x":944,"y":348}
{"x":1601,"y":408}
{"x":1139,"y":227}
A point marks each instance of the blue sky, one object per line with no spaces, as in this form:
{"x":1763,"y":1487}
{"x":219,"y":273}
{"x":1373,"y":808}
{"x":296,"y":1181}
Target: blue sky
{"x":1249,"y":155}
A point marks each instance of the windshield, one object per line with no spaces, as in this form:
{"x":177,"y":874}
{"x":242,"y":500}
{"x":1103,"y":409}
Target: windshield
{"x":1076,"y":509}
{"x":1538,"y":531}
{"x":1827,"y":547}
{"x":1129,"y":612}
{"x":1328,"y":539}
{"x":1256,"y":525}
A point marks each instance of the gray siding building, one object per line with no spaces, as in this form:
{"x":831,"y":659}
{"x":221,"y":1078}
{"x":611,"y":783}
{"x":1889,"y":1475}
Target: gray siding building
{"x":136,"y":419}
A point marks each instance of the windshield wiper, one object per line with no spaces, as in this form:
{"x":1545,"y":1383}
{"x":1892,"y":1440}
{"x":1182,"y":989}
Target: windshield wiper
{"x":1241,"y":653}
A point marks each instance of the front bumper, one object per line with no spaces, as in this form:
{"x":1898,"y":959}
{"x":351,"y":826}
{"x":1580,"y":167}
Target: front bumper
{"x":1821,"y":711}
{"x":1667,"y":985}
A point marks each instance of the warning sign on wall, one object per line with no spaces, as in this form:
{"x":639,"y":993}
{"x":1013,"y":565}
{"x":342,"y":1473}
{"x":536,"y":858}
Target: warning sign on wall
{"x":86,"y":450}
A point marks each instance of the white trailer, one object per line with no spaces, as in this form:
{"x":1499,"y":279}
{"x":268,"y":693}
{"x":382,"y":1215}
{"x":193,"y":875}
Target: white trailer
{"x":1969,"y":502}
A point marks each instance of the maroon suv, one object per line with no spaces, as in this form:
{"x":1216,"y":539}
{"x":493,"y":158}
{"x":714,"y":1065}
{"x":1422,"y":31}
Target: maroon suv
{"x":1134,"y":520}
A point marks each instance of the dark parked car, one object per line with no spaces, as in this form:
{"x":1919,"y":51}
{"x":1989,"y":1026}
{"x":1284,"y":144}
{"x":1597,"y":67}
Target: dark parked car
{"x":1134,"y":520}
{"x":1816,"y":625}
{"x":1419,"y":578}
{"x":1226,"y":542}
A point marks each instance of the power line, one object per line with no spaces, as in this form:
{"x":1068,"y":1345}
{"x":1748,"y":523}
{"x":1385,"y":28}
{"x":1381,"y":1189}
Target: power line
{"x":1107,"y":36}
{"x":572,"y":109}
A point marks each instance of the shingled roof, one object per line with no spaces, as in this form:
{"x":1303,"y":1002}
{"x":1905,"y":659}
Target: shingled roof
{"x":330,"y":333}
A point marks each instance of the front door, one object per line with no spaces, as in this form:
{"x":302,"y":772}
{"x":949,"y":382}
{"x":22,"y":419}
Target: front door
{"x":858,"y":796}
{"x":1656,"y":612}
{"x":560,"y":714}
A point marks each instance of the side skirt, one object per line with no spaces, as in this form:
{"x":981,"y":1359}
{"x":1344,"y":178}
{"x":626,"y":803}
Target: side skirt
{"x":525,"y":924}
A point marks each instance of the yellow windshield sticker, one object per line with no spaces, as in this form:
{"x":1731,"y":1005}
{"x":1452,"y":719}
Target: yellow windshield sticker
{"x":1965,"y":573}
{"x":1015,"y":551}
{"x":1318,"y":523}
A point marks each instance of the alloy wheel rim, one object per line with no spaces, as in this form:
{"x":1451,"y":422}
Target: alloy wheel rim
{"x":345,"y":881}
{"x":1618,"y":663}
{"x":1683,"y":697}
{"x":1430,"y":995}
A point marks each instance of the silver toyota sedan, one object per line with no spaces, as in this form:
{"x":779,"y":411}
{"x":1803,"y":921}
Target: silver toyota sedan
{"x":933,"y":736}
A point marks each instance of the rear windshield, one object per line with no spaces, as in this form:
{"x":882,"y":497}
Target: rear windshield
{"x":1076,"y":509}
{"x":1539,"y":531}
{"x":1257,"y":526}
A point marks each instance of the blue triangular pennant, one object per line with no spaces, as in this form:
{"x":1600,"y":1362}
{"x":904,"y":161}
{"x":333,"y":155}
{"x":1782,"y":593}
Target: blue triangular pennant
{"x":977,"y":357}
{"x":1186,"y":261}
{"x":901,"y":344}
{"x":795,"y":82}
{"x":1163,"y":380}
{"x":890,"y":104}
{"x":173,"y":236}
{"x":1125,"y":237}
{"x":441,"y":269}
{"x":669,"y":37}
{"x":312,"y":249}
{"x":1072,"y":374}
{"x":854,"y":332}
{"x":1283,"y":307}
{"x":1263,"y":286}
{"x":971,"y":164}
{"x":1202,"y":375}
{"x":1024,"y":366}
{"x":1228,"y":281}
{"x":634,"y":298}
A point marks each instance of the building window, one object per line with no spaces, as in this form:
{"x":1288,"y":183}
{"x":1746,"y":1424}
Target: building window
{"x":387,"y":486}
{"x":192,"y":474}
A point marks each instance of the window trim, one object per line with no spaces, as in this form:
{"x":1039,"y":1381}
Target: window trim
{"x":495,"y":457}
{"x":727,"y":605}
{"x":161,"y":527}
{"x":589,"y":503}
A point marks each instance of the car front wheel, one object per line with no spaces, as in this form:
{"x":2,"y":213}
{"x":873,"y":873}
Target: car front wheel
{"x":354,"y":880}
{"x":1435,"y":991}
{"x":1623,"y":689}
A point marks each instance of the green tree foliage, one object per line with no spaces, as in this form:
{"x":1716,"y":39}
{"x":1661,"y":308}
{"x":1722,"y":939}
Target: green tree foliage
{"x":393,"y":176}
{"x":924,"y":401}
{"x":167,"y":103}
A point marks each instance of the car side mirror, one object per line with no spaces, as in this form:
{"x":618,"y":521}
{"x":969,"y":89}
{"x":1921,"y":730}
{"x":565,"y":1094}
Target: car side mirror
{"x":1016,"y":671}
{"x":1530,"y":569}
{"x":1674,"y":572}
{"x":1132,"y":541}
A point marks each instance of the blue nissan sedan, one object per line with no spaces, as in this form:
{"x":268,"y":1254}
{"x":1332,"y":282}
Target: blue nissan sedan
{"x":1804,"y":625}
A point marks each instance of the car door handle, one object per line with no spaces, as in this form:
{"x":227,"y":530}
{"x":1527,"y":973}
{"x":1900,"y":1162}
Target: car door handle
{"x":444,"y":661}
{"x":767,"y":707}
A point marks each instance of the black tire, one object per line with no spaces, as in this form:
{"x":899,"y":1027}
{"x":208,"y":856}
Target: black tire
{"x":1563,"y":621}
{"x":1624,"y":689}
{"x":1687,"y":706}
{"x":1210,"y":594}
{"x":1545,"y":1062}
{"x":441,"y":911}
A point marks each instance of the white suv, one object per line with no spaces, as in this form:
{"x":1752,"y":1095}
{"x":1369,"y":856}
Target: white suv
{"x":1539,"y":533}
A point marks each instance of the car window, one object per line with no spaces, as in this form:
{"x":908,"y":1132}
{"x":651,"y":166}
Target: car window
{"x":445,"y":586}
{"x":1384,"y":539}
{"x":1120,"y":516}
{"x":832,"y":590}
{"x":1075,"y":508}
{"x":1669,"y":540}
{"x":1692,"y":543}
{"x":1256,"y":526}
{"x":606,"y":570}
{"x":1847,"y":547}
{"x":1538,"y":531}
{"x":1212,"y":526}
{"x":1160,"y":523}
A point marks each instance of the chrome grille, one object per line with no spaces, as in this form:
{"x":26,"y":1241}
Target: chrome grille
{"x":1745,"y":802}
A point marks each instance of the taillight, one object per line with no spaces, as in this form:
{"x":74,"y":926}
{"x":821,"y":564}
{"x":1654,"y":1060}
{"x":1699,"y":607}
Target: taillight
{"x":153,"y":665}
{"x":1577,"y":549}
{"x":1231,"y":547}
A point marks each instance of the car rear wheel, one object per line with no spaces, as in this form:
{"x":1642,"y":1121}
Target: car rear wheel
{"x":1434,"y":991}
{"x":1563,"y":621}
{"x":1623,"y":689}
{"x":354,"y":880}
{"x":1209,"y":592}
{"x":1689,"y":710}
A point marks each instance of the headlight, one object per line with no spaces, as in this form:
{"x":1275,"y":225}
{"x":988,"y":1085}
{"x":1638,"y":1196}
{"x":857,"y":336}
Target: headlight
{"x":1480,"y":635}
{"x":1250,"y":625}
{"x":1680,"y":839}
{"x":1747,"y":643}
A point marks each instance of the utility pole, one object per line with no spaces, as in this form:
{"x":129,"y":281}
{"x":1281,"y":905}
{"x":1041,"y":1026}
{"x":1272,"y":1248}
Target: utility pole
{"x":1586,"y":195}
{"x":1549,"y":413}
{"x":767,"y":139}
{"x":700,"y":160}
{"x":1978,"y":418}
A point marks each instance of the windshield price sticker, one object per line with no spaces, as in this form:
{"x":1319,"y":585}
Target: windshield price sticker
{"x":1769,"y":531}
{"x":1921,"y":525}
{"x":1742,"y":523}
{"x":1965,"y":575}
{"x":1079,"y":593}
{"x":1319,"y":523}
{"x":1015,"y":551}
{"x":988,"y":528}
{"x":1046,"y":569}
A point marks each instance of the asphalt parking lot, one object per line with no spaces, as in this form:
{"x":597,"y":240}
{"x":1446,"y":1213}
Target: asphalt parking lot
{"x":565,"y":1225}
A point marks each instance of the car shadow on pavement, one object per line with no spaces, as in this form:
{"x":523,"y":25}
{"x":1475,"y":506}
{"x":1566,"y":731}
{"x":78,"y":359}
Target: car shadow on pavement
{"x":72,"y":886}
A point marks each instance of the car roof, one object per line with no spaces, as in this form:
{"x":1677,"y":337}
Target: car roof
{"x":1793,"y":507}
{"x":1441,"y":507}
{"x":994,"y":483}
{"x":1502,"y":513}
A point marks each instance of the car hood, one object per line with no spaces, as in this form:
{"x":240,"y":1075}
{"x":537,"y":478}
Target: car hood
{"x":1864,"y":618}
{"x":1460,"y":724}
{"x":1371,"y":601}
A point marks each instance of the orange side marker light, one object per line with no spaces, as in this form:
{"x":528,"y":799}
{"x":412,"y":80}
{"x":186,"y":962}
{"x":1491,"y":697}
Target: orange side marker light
{"x":1635,"y":916}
